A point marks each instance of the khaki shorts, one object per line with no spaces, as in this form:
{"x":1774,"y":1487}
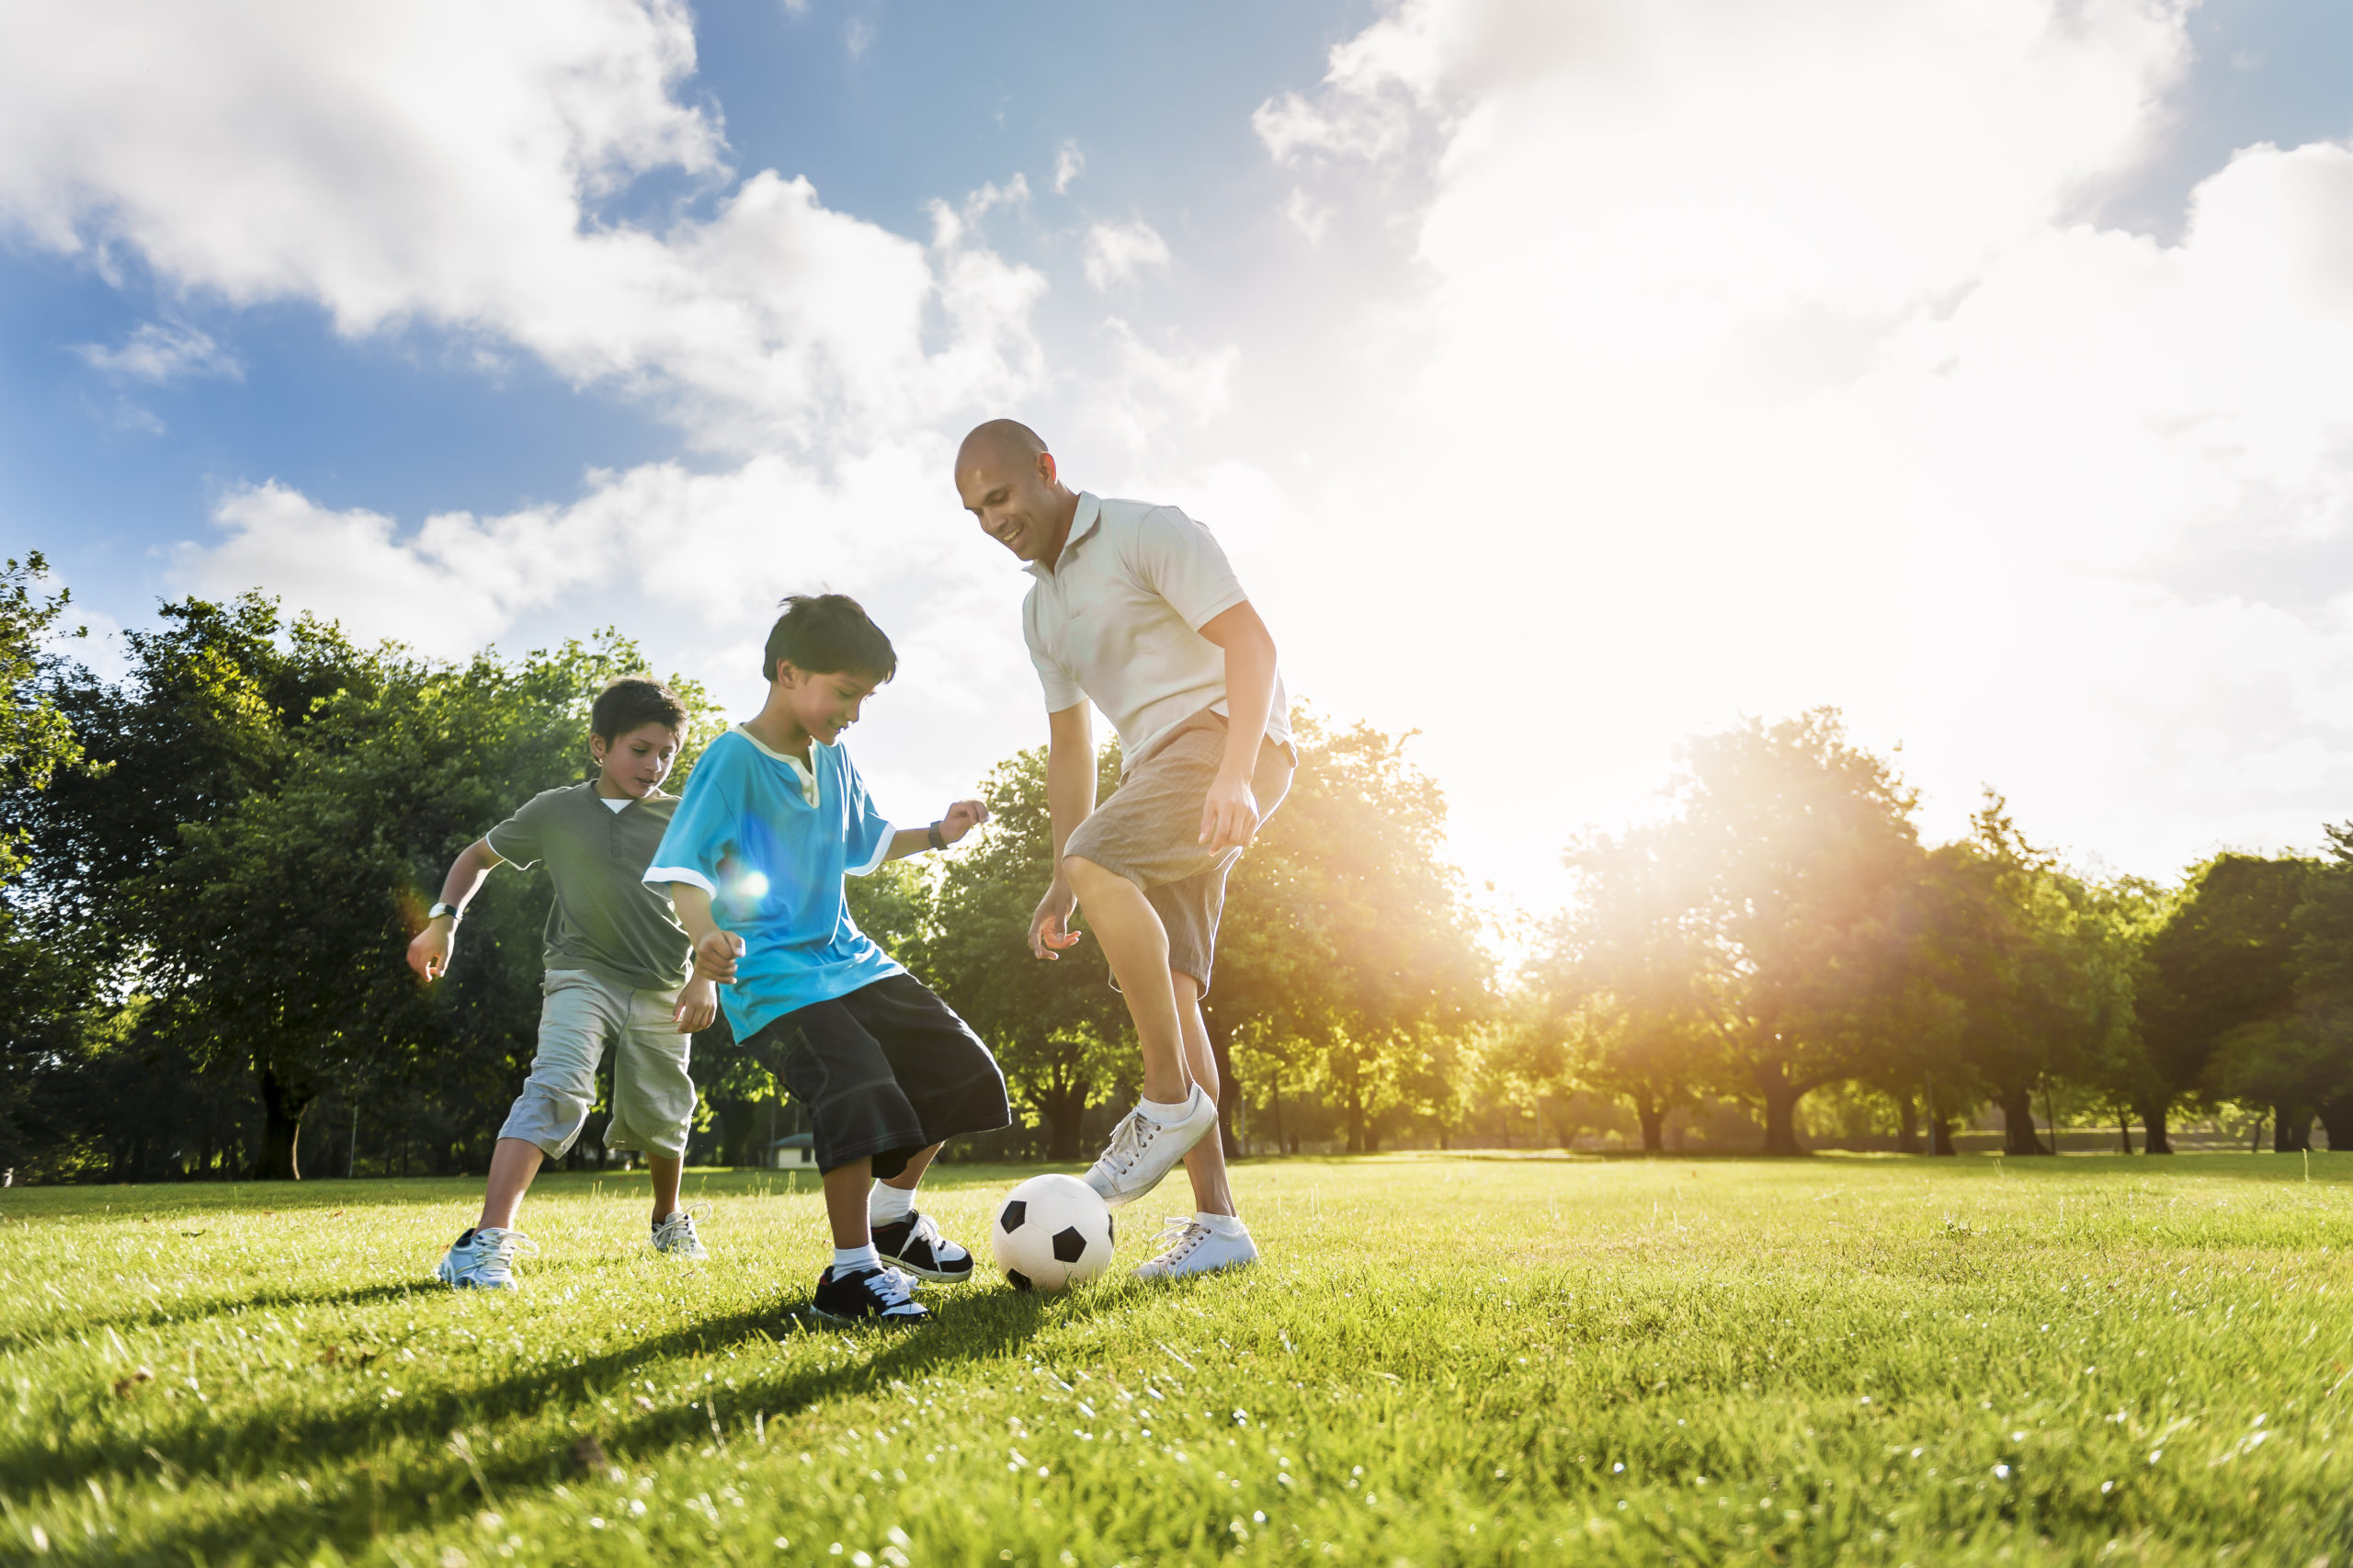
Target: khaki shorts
{"x":653,"y":1099}
{"x":1148,"y":832}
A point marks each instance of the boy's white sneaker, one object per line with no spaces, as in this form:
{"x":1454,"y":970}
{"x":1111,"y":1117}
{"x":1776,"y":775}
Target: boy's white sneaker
{"x":484,"y":1259}
{"x":1143,"y":1150}
{"x":1188,"y":1247}
{"x":675,"y":1237}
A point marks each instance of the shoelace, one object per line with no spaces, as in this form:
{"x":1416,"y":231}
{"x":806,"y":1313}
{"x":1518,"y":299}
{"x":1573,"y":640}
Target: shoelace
{"x":890,"y":1288}
{"x":501,"y":1251}
{"x":1128,"y":1143}
{"x":1178,"y":1236}
{"x":684,"y":1219}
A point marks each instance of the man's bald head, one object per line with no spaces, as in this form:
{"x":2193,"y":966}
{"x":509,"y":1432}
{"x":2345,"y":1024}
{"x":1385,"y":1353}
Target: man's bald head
{"x":1006,"y":479}
{"x":1002,"y":437}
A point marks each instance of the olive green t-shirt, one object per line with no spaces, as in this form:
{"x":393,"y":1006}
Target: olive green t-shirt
{"x":605,"y":919}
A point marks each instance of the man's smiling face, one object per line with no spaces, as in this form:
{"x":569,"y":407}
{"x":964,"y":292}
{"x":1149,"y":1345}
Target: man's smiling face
{"x":1013,"y":495}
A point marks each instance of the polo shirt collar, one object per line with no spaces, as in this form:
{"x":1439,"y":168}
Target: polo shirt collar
{"x":1083,"y":522}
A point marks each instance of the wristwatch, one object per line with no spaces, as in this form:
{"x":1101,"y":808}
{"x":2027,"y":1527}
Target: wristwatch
{"x":936,"y":842}
{"x":439,"y":910}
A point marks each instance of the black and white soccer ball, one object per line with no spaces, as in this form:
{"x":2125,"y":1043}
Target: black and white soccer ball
{"x":1052,"y":1232}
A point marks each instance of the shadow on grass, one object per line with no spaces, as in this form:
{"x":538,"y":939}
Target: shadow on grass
{"x":186,"y":1313}
{"x":405,"y":1492}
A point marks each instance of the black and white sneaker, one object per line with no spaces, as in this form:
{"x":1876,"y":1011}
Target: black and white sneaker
{"x":916,"y":1244}
{"x":870,"y":1295}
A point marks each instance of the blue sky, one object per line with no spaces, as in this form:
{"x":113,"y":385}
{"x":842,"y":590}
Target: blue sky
{"x":1564,"y":379}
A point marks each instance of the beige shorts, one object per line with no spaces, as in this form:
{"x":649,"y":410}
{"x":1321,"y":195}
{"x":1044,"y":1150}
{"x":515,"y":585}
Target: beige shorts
{"x":654,"y":1098}
{"x":1148,"y":832}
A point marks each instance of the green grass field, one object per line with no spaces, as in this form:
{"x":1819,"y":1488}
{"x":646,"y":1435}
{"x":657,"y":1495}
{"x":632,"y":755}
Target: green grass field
{"x":1444,"y":1359}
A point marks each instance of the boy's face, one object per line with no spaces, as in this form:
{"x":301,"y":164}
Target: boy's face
{"x":635,"y":764}
{"x":823,"y":704}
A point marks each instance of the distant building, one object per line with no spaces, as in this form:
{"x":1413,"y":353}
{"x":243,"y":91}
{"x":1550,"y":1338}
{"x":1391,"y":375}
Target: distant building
{"x":793,"y":1152}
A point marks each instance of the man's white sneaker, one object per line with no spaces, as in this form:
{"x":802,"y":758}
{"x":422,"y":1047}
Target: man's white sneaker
{"x":675,"y":1237}
{"x":1188,"y":1247}
{"x":1143,"y":1150}
{"x":484,"y":1259}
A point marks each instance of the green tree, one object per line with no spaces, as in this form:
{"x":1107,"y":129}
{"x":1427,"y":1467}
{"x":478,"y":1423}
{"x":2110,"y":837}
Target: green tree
{"x":2225,"y":959}
{"x":1788,"y":864}
{"x":1058,"y":1028}
{"x":1349,"y":954}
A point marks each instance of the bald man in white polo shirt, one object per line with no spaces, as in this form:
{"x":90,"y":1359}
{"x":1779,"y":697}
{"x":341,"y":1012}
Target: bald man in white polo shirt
{"x":1136,"y":609}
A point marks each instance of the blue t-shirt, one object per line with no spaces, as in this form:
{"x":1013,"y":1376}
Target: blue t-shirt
{"x":770,"y":841}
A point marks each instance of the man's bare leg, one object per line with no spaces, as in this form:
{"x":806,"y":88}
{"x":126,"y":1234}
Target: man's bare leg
{"x":1205,"y":1162}
{"x":1136,"y":944}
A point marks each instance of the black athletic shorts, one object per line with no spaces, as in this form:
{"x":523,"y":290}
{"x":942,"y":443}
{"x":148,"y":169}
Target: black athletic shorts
{"x":885,"y":1073}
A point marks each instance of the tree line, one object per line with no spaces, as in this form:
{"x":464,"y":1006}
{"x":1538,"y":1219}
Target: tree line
{"x":212,"y":862}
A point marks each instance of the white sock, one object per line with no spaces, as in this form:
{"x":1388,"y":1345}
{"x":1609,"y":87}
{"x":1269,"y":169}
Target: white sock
{"x":887,"y":1205}
{"x":1165,"y":1113}
{"x":852,"y":1261}
{"x":1221,"y":1224}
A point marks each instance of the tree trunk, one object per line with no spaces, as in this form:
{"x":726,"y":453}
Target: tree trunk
{"x":1279,"y":1145}
{"x":2337,"y":1117}
{"x":282,"y":1125}
{"x":2017,"y":1123}
{"x":1654,"y":1118}
{"x":1355,"y":1124}
{"x":2153,"y":1140}
{"x":739,"y":1130}
{"x":2124,"y":1130}
{"x":1940,"y":1136}
{"x":2291,"y":1129}
{"x":1780,"y":1099}
{"x":1064,"y":1108}
{"x":1907,"y":1126}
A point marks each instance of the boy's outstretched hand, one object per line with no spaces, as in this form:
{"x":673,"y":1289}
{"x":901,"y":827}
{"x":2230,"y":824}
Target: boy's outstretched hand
{"x":428,"y":951}
{"x":1050,"y":930}
{"x":697,"y":1006}
{"x":715,"y":955}
{"x":961,"y":818}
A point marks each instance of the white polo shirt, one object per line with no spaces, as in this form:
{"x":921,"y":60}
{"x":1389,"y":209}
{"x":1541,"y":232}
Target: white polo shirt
{"x":1117,"y":619}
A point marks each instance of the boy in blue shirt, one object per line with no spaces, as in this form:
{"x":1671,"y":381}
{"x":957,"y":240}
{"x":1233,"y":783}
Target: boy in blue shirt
{"x":774,"y":818}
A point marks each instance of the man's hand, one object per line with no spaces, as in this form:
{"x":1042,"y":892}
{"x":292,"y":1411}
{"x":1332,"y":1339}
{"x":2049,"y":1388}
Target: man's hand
{"x":1230,"y":814}
{"x":428,"y":950}
{"x":697,"y":1006}
{"x":962,"y":818}
{"x":715,"y":955}
{"x":1049,"y":927}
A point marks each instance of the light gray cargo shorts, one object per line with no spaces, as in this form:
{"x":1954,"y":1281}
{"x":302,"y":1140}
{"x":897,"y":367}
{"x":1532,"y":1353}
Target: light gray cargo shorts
{"x":654,"y":1098}
{"x":1148,"y":832}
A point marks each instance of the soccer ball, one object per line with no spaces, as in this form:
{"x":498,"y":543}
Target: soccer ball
{"x":1052,"y":1232}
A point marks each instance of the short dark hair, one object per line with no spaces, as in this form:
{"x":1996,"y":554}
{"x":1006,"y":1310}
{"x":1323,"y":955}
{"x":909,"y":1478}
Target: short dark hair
{"x":828,"y":634}
{"x":631,"y":703}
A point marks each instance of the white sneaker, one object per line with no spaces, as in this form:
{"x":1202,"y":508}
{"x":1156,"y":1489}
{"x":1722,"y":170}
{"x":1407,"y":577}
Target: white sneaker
{"x":1188,"y":1247}
{"x":675,"y":1237}
{"x":482,"y":1260}
{"x":1143,"y":1150}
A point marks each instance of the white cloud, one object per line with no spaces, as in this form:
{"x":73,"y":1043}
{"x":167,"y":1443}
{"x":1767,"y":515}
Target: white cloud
{"x":1117,"y":252}
{"x":1306,"y":214}
{"x":444,"y":164}
{"x":1763,"y":360}
{"x":1069,"y":163}
{"x":162,"y":352}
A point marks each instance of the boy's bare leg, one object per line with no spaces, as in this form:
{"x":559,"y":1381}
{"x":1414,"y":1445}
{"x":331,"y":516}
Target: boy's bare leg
{"x":846,"y":1188}
{"x":667,"y":1173}
{"x":1205,"y":1162}
{"x":512,"y":1164}
{"x":1136,"y":944}
{"x":921,"y":1162}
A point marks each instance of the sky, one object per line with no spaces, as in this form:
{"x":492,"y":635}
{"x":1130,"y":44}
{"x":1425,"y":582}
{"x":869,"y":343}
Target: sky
{"x":1564,"y":378}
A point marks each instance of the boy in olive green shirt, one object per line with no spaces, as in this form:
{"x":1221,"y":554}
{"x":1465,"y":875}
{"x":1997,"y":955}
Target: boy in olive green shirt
{"x":618,"y":972}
